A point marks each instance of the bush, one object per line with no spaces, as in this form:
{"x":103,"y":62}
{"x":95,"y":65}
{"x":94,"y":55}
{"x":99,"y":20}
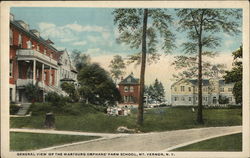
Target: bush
{"x":56,"y":100}
{"x":40,"y":108}
{"x":14,"y":109}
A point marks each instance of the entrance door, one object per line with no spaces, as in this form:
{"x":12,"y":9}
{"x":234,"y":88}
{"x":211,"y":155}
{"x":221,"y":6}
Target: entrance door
{"x":214,"y":100}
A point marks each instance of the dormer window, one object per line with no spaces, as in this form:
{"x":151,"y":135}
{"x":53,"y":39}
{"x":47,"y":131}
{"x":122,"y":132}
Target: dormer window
{"x":38,"y":48}
{"x":129,"y":79}
{"x":45,"y":51}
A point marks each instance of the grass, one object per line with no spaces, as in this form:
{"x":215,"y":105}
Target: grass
{"x":157,"y":119}
{"x":30,"y":141}
{"x":225,"y":143}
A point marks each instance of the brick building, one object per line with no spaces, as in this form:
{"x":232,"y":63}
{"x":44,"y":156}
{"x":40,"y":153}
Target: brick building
{"x":32,"y":60}
{"x":129,"y":90}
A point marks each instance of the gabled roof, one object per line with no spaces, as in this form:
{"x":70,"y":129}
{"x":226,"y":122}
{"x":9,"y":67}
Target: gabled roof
{"x":129,"y":80}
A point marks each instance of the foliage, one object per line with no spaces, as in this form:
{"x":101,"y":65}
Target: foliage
{"x":223,"y":100}
{"x":41,"y":108}
{"x":79,"y":59}
{"x":156,"y":92}
{"x":201,"y":26}
{"x":32,"y":92}
{"x":56,"y":99}
{"x":235,"y":75}
{"x":71,"y":90}
{"x":135,"y":32}
{"x":38,"y":141}
{"x":117,"y":67}
{"x":187,"y":67}
{"x":14,"y":109}
{"x":96,"y":86}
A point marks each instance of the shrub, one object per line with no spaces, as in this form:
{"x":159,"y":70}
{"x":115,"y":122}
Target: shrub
{"x":40,"y":108}
{"x":14,"y":109}
{"x":56,"y":100}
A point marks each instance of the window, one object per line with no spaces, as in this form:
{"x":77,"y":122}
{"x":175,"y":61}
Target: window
{"x":11,"y":94}
{"x":45,"y":51}
{"x":126,"y":89}
{"x":125,"y":99}
{"x":175,"y":89}
{"x":205,"y":89}
{"x":230,"y":98}
{"x":28,"y":44}
{"x":11,"y":37}
{"x":222,"y":89}
{"x":129,"y":80}
{"x":45,"y":76}
{"x":11,"y":68}
{"x":196,"y":98}
{"x":190,"y":99}
{"x":131,"y":99}
{"x":183,"y":98}
{"x":175,"y":98}
{"x":131,"y":89}
{"x":182,"y":88}
{"x":189,"y":89}
{"x":19,"y":40}
{"x":230,"y":89}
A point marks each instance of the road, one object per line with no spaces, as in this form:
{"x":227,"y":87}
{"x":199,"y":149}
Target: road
{"x":155,"y":141}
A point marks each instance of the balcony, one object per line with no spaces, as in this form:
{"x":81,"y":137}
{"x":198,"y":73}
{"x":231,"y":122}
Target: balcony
{"x":29,"y":54}
{"x":24,"y":82}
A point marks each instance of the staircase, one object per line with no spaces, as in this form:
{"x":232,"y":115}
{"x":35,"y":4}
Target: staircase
{"x":24,"y":108}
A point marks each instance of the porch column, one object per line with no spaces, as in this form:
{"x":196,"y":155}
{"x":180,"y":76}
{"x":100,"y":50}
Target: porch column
{"x":34,"y":71}
{"x":43,"y":74}
{"x":50,"y":79}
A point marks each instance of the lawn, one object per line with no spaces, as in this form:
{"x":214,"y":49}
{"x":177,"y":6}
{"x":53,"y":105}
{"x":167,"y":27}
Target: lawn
{"x":226,"y":143}
{"x":157,"y":119}
{"x":31,"y":141}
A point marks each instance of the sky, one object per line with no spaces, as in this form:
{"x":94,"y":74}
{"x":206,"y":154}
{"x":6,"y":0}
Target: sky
{"x":92,"y":31}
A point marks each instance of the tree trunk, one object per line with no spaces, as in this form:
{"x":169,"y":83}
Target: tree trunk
{"x":199,"y":114}
{"x":143,"y":67}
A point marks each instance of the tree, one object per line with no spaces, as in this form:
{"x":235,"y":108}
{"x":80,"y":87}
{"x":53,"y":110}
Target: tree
{"x":117,"y":66}
{"x":155,"y":92}
{"x":79,"y":59}
{"x":201,"y":26}
{"x":186,"y":67}
{"x":71,"y":90}
{"x":235,"y":75}
{"x":96,"y":86}
{"x":135,"y":32}
{"x":32,"y":92}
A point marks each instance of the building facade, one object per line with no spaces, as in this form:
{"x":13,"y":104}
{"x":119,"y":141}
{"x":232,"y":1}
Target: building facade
{"x":129,"y":90}
{"x":185,"y":92}
{"x":33,"y":60}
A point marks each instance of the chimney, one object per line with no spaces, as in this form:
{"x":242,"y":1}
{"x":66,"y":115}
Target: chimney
{"x":11,"y":17}
{"x":35,"y":32}
{"x":23,"y":24}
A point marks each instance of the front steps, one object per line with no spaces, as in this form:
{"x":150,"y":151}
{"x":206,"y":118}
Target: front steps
{"x":24,"y":108}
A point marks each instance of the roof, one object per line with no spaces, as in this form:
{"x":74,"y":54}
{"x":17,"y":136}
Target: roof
{"x":205,"y":82}
{"x":31,"y":34}
{"x":130,"y":80}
